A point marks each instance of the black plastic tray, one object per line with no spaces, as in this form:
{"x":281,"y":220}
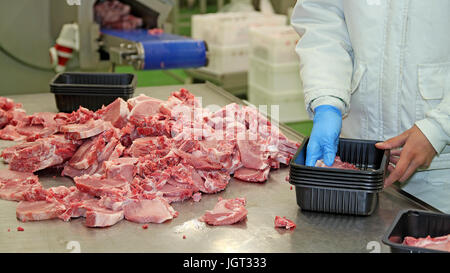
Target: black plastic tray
{"x":361,"y":153}
{"x":90,"y":90}
{"x":418,"y":224}
{"x":297,"y":180}
{"x":334,"y":200}
{"x":349,"y":179}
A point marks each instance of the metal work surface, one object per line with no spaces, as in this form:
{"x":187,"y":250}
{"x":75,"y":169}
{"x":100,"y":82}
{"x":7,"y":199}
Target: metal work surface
{"x":315,"y":232}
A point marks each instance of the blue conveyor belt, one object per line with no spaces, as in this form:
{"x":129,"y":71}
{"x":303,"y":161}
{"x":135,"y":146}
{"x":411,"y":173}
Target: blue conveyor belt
{"x":165,"y":51}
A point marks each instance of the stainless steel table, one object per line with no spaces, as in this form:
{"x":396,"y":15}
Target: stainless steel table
{"x":315,"y":232}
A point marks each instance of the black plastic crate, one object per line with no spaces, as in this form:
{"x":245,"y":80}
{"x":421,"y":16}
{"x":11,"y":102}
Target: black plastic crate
{"x":336,"y":200}
{"x":90,"y":90}
{"x":363,"y":154}
{"x":418,"y":224}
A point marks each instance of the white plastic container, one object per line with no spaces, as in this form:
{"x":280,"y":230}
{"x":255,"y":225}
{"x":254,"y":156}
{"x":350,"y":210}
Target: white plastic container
{"x":231,"y":28}
{"x":274,"y":44}
{"x":228,"y":59}
{"x":276,"y":77}
{"x":288,"y":106}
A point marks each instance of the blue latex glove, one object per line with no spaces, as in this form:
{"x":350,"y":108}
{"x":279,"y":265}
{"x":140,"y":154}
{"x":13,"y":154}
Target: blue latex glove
{"x":324,"y":139}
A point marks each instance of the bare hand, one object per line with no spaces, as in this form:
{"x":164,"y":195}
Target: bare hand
{"x":417,"y":152}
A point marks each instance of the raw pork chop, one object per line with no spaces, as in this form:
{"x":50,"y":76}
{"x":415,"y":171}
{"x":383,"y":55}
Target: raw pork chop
{"x":252,"y":175}
{"x":99,"y":216}
{"x":282,"y":222}
{"x":121,"y":168}
{"x":17,"y":186}
{"x":437,"y":243}
{"x":38,"y":210}
{"x":226,"y":212}
{"x":13,"y":176}
{"x":253,"y":155}
{"x":89,"y":157}
{"x":144,"y":108}
{"x":116,"y":113}
{"x":40,"y":154}
{"x":96,"y":185}
{"x":86,"y":130}
{"x":157,"y":210}
{"x":338,"y":164}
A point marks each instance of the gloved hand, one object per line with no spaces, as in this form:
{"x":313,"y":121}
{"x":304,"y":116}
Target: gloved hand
{"x":324,"y":139}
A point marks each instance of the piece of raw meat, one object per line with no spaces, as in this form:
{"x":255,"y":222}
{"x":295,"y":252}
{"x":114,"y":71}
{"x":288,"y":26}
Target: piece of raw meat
{"x":85,"y":130}
{"x":252,"y":175}
{"x":338,"y":164}
{"x":40,"y":154}
{"x":99,"y":216}
{"x":226,"y":212}
{"x":437,"y":243}
{"x":121,"y":168}
{"x":97,"y":185}
{"x":282,"y":222}
{"x":253,"y":155}
{"x":144,"y":107}
{"x":157,"y":210}
{"x":17,"y":177}
{"x":38,"y":210}
{"x":89,"y":157}
{"x":17,"y":186}
{"x":173,"y":193}
{"x":116,"y":113}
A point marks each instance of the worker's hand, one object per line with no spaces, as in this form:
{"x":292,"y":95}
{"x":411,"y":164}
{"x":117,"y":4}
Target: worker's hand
{"x":324,"y":138}
{"x":417,"y":152}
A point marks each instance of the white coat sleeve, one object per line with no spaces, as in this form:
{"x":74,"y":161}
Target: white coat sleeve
{"x":325,"y":52}
{"x":436,"y":125}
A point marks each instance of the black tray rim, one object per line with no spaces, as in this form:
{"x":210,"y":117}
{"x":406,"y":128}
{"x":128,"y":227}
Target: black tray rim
{"x":379,"y":171}
{"x":77,"y":93}
{"x":338,"y":178}
{"x":380,"y":189}
{"x":294,"y":181}
{"x":412,"y":249}
{"x":337,"y":189}
{"x":132,"y":84}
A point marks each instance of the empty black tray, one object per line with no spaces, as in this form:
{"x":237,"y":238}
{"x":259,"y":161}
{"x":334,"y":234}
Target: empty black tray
{"x":418,"y":224}
{"x":90,"y":90}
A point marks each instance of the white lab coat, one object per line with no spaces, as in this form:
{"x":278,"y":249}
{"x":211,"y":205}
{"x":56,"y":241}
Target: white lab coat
{"x":384,"y":63}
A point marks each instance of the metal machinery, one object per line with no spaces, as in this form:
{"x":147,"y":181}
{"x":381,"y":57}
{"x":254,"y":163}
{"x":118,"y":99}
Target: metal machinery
{"x":29,"y":28}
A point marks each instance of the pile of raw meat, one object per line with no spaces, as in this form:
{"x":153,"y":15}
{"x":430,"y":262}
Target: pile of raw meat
{"x":116,"y":15}
{"x":131,"y":159}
